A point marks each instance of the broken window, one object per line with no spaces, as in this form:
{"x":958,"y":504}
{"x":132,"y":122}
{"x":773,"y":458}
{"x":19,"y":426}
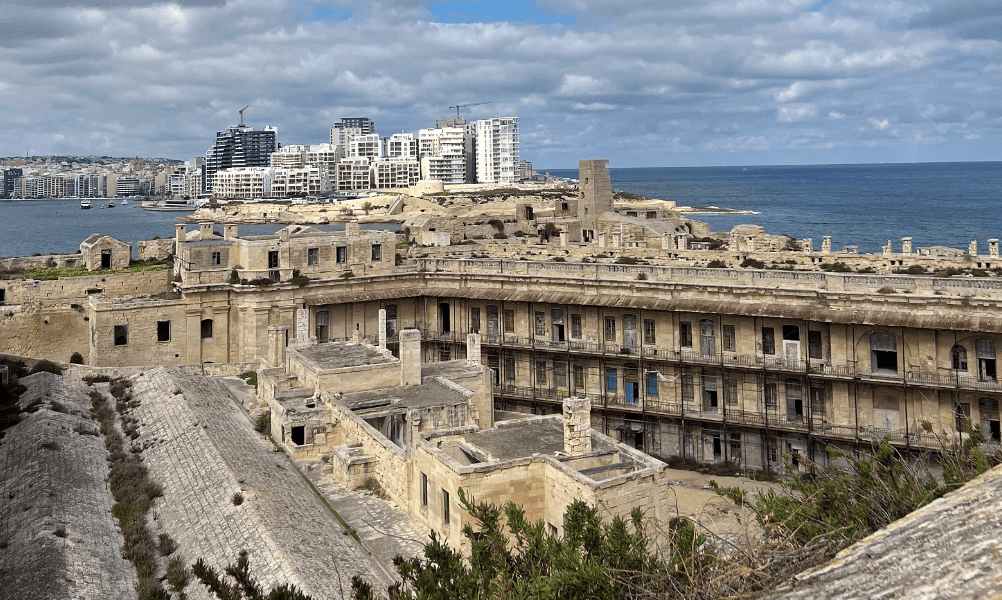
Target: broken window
{"x":814,"y":345}
{"x":717,"y":447}
{"x":687,"y":391}
{"x":509,"y":321}
{"x":770,"y":395}
{"x":985,"y":350}
{"x":578,"y":377}
{"x":341,"y":254}
{"x":650,"y":332}
{"x":474,"y":320}
{"x":610,"y":329}
{"x":735,"y":447}
{"x":958,"y":358}
{"x":557,"y":325}
{"x":818,"y":401}
{"x":492,"y":321}
{"x":299,"y":435}
{"x":391,"y":319}
{"x":731,"y":392}
{"x":730,"y":344}
{"x":313,"y":257}
{"x":559,"y":374}
{"x":121,"y":335}
{"x":540,"y":323}
{"x":768,"y":340}
{"x":273,"y":259}
{"x":988,"y":409}
{"x":509,"y":368}
{"x":710,"y":393}
{"x":883,"y":353}
{"x":377,"y":252}
{"x":685,"y":334}
{"x":707,"y":341}
{"x":443,"y":317}
{"x":163,"y":331}
{"x":321,"y":319}
{"x":630,"y":331}
{"x":794,"y":399}
{"x":217,"y":259}
{"x":206,"y":329}
{"x":575,"y":326}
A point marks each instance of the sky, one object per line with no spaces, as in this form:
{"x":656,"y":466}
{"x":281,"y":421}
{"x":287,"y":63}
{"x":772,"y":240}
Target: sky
{"x":639,"y":82}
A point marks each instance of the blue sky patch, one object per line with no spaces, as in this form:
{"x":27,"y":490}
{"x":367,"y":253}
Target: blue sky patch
{"x":491,"y":11}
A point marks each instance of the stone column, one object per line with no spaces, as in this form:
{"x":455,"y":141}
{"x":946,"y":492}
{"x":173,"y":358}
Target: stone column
{"x":473,"y":349}
{"x":972,"y":248}
{"x":276,"y":345}
{"x":826,"y":244}
{"x":906,"y":245}
{"x":577,"y":426}
{"x":410,"y":357}
{"x":382,"y":328}
{"x":993,"y":248}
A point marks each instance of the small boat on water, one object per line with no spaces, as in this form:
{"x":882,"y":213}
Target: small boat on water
{"x":85,"y":204}
{"x":125,"y":202}
{"x":111,"y":205}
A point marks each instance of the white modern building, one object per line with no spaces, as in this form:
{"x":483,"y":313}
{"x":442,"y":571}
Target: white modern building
{"x":495,"y":148}
{"x":291,"y":157}
{"x":444,"y":154}
{"x":270,"y":182}
{"x":401,"y":145}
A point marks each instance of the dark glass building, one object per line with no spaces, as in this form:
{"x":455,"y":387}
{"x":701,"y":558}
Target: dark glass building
{"x":239,"y":146}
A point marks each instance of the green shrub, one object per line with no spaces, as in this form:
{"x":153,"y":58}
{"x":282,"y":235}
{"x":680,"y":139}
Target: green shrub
{"x":263,"y":423}
{"x":751,"y":263}
{"x":716,"y":264}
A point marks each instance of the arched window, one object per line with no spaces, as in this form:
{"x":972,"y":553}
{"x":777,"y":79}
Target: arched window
{"x":958,"y":358}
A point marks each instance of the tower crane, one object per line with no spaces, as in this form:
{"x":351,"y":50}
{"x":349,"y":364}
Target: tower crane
{"x":242,"y":114}
{"x":458,"y":106}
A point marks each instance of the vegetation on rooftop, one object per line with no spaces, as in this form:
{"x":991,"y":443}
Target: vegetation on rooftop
{"x":50,"y":273}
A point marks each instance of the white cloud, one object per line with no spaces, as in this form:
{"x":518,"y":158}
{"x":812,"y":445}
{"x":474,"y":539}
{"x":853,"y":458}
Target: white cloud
{"x":879,"y":124}
{"x":593,"y":106}
{"x":791,"y":113}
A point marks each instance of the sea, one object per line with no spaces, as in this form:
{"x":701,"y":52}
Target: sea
{"x":936,"y":204}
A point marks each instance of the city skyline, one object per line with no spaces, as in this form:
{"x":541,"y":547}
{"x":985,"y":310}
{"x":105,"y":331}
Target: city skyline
{"x":693,"y":84}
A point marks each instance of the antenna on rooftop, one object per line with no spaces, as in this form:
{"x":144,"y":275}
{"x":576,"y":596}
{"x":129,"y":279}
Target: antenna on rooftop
{"x":458,"y":106}
{"x":242,"y":114}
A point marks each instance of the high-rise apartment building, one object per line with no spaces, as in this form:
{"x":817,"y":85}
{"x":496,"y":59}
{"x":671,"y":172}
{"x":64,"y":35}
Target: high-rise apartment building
{"x":9,"y":175}
{"x":444,"y":154}
{"x":495,"y":149}
{"x":350,"y":126}
{"x":401,"y":145}
{"x":239,"y":146}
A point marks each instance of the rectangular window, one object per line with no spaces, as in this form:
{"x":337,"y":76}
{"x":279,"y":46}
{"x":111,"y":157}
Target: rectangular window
{"x":963,"y":412}
{"x":770,"y":395}
{"x":474,"y":320}
{"x":818,"y":401}
{"x":321,"y":320}
{"x":509,"y":321}
{"x":650,"y":332}
{"x":313,"y":257}
{"x":121,"y":335}
{"x":576,"y":326}
{"x":652,"y":385}
{"x":445,"y":507}
{"x":735,"y":447}
{"x":814,"y":345}
{"x":985,"y":351}
{"x":377,"y":252}
{"x":163,"y":331}
{"x":206,"y":329}
{"x":578,"y":377}
{"x":217,"y":259}
{"x":768,"y":340}
{"x":685,"y":334}
{"x":687,"y":388}
{"x":540,"y":373}
{"x":710,"y":399}
{"x":540,"y":323}
{"x":559,"y":374}
{"x":794,"y":400}
{"x":883,"y":353}
{"x":273,"y":259}
{"x":731,"y":392}
{"x":509,"y":368}
{"x":610,"y":329}
{"x":611,"y":381}
{"x":424,"y":490}
{"x":341,"y":254}
{"x":730,"y":344}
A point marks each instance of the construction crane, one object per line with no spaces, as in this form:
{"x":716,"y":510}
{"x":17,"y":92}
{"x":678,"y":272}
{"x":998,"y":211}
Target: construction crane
{"x":242,"y":114}
{"x":458,"y":106}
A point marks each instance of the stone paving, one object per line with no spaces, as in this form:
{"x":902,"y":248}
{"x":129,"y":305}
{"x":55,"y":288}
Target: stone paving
{"x":202,"y":448}
{"x":54,"y":481}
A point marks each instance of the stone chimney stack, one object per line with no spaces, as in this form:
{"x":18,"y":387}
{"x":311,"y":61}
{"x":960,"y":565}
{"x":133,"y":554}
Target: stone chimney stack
{"x":972,"y":248}
{"x":229,"y":232}
{"x":410,"y":357}
{"x":993,"y":248}
{"x":276,"y":345}
{"x":807,"y":244}
{"x":180,"y":233}
{"x":352,"y":229}
{"x":205,"y":231}
{"x":382,"y":328}
{"x":906,"y":245}
{"x":577,"y":426}
{"x":826,"y":244}
{"x":473,"y":349}
{"x":563,"y":238}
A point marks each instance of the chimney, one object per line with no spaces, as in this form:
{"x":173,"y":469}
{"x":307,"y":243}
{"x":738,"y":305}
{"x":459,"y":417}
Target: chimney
{"x":352,"y":229}
{"x":473,"y":349}
{"x":906,"y":245}
{"x":577,"y":426}
{"x":807,"y":244}
{"x":410,"y":357}
{"x":993,"y":248}
{"x":826,"y":244}
{"x":276,"y":345}
{"x":382,"y":328}
{"x":205,"y":231}
{"x":229,"y":232}
{"x":180,"y":232}
{"x":563,"y":238}
{"x":972,"y":248}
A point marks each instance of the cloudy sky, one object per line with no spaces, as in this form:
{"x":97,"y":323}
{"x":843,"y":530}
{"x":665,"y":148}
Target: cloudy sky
{"x":641,"y":82}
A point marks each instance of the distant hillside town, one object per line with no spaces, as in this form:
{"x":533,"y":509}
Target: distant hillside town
{"x":247,"y":163}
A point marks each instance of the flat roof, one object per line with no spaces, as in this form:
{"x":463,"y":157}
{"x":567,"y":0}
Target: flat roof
{"x":523,"y":438}
{"x":450,"y":369}
{"x":344,"y":354}
{"x":413,"y":396}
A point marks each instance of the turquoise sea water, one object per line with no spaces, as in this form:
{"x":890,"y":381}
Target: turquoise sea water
{"x":937,"y":204}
